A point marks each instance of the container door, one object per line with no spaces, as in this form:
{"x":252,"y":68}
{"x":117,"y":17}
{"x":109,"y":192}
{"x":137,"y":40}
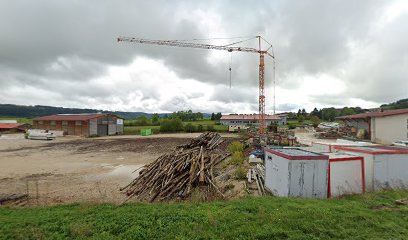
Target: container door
{"x":102,"y":130}
{"x":301,"y":181}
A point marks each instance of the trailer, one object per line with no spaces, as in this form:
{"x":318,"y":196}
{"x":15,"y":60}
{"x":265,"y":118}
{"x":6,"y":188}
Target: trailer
{"x":293,"y":172}
{"x":345,"y":174}
{"x":384,"y":166}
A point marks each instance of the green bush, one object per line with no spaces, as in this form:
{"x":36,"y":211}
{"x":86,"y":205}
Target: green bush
{"x":315,"y":121}
{"x":171,"y":125}
{"x":200,"y":128}
{"x":189,"y":128}
{"x":210,"y":128}
{"x":236,"y":146}
{"x":237,"y":158}
{"x":291,"y":126}
{"x":240,"y":173}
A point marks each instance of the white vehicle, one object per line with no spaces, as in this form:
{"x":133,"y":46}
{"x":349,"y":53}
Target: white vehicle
{"x":36,"y":134}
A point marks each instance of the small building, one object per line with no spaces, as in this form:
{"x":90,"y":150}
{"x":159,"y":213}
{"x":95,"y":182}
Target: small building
{"x":81,"y":124}
{"x":346,"y":174}
{"x":384,"y":127}
{"x":236,"y":122}
{"x":13,"y":127}
{"x":384,"y":166}
{"x":293,"y":172}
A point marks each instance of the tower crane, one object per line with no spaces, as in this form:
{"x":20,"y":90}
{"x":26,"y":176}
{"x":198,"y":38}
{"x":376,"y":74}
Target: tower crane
{"x":229,"y":48}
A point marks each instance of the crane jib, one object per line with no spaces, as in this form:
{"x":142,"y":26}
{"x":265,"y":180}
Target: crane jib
{"x":229,"y":48}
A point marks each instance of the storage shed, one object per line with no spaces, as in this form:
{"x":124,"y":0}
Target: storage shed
{"x":81,"y":124}
{"x":13,"y":127}
{"x":296,"y":173}
{"x":384,"y":166}
{"x":346,"y":174}
{"x":384,"y":127}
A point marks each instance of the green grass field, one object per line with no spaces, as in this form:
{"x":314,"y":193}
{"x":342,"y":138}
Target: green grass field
{"x":135,"y":130}
{"x":19,"y":120}
{"x":369,"y":216}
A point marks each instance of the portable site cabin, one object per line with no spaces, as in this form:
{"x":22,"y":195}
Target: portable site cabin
{"x":296,"y":173}
{"x":81,"y":124}
{"x":346,"y":174}
{"x":327,"y":147}
{"x":384,"y":166}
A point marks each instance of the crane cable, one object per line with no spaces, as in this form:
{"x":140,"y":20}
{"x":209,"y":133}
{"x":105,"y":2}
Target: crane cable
{"x":230,"y":73}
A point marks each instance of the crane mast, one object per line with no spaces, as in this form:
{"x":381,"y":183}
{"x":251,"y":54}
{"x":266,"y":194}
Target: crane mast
{"x":229,"y":48}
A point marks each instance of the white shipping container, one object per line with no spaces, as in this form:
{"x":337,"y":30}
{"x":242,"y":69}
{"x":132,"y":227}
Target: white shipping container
{"x":346,"y":174}
{"x":296,"y":173}
{"x":384,"y":166}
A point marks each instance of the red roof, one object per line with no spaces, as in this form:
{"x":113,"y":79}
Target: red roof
{"x":376,"y":114}
{"x":72,"y":117}
{"x":10,"y":125}
{"x":253,"y":117}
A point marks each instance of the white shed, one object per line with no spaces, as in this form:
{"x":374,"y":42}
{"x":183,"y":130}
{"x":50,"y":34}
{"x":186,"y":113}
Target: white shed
{"x":384,"y":166}
{"x":346,"y":174}
{"x":327,"y":147}
{"x":296,"y":173}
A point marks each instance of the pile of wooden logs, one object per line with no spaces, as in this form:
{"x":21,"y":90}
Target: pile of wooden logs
{"x":13,"y":198}
{"x":174,"y":175}
{"x":257,"y":174}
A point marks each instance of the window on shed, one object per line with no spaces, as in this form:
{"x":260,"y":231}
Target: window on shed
{"x":53,"y":123}
{"x":64,"y":123}
{"x":78,"y":123}
{"x":40,"y":122}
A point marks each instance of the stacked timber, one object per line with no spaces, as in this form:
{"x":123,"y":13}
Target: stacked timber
{"x":13,"y":198}
{"x":257,"y":174}
{"x":174,"y":175}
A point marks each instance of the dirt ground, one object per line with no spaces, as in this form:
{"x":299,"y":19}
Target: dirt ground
{"x":73,"y":169}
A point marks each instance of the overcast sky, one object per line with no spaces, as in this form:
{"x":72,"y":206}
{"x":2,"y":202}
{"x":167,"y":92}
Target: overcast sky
{"x":328,"y":53}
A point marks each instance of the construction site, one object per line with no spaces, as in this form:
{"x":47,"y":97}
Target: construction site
{"x":262,"y":158}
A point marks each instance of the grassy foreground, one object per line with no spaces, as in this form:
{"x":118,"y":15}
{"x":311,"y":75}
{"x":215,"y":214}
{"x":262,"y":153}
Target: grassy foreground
{"x":370,"y":216}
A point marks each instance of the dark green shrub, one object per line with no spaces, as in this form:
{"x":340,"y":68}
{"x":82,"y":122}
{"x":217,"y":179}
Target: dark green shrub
{"x":200,"y":128}
{"x":210,"y":128}
{"x":171,"y":125}
{"x":189,"y":128}
{"x":236,"y":146}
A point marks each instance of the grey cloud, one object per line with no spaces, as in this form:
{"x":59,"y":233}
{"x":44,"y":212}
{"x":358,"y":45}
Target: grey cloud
{"x":71,"y":43}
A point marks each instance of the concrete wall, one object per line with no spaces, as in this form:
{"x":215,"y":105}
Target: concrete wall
{"x":385,"y":130}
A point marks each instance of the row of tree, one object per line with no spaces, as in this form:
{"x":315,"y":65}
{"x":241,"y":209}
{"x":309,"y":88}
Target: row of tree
{"x":183,"y":116}
{"x":325,"y":114}
{"x":176,"y":125}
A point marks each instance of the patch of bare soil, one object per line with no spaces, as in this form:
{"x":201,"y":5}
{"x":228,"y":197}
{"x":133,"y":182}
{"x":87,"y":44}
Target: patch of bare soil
{"x":69,"y":170}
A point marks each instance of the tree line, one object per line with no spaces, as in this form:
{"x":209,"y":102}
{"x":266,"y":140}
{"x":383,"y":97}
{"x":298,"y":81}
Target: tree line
{"x":325,"y":114}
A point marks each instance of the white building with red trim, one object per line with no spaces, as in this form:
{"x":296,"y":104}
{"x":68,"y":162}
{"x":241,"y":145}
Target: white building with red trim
{"x":383,"y":127}
{"x":252,"y":119}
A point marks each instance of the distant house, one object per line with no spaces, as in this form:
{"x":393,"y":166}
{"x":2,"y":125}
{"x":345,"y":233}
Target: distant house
{"x":81,"y":124}
{"x":13,"y":127}
{"x":383,"y":127}
{"x":243,"y":121}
